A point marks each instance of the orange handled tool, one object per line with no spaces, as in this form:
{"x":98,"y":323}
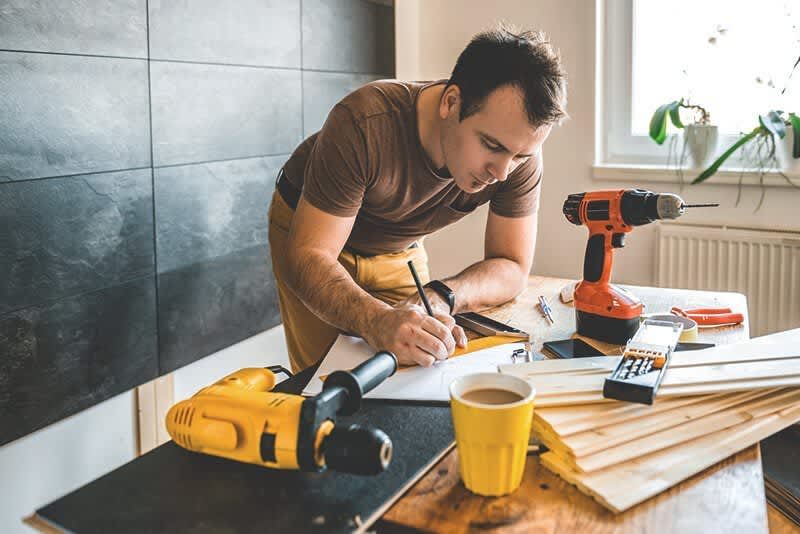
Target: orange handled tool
{"x":602,"y":310}
{"x":710,"y":316}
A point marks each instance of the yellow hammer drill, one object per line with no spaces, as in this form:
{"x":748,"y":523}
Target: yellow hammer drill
{"x":240,"y":418}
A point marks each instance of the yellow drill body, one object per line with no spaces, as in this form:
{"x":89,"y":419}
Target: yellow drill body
{"x":241,"y":418}
{"x":228,"y":419}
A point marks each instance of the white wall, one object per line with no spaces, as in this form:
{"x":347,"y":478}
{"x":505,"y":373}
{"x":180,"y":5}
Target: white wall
{"x":45,"y":465}
{"x":443,"y":27}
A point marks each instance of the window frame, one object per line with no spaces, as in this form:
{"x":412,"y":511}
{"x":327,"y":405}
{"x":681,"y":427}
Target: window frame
{"x":615,"y":145}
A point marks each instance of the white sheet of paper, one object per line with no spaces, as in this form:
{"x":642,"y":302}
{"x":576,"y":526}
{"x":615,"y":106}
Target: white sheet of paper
{"x":411,"y":383}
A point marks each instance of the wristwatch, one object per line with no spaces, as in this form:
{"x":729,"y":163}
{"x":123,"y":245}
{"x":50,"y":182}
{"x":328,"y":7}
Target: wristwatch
{"x":445,"y":292}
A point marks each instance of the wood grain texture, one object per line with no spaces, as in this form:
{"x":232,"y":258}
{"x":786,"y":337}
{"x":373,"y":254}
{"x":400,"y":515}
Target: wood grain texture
{"x":637,"y":426}
{"x":41,"y":525}
{"x":569,"y":384}
{"x":681,"y":435}
{"x":779,"y":523}
{"x":567,"y":421}
{"x":729,"y":495}
{"x":622,"y":486}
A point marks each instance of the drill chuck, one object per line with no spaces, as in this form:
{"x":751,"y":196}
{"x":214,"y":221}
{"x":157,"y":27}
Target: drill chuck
{"x":669,"y":206}
{"x":639,"y":207}
{"x":358,"y":450}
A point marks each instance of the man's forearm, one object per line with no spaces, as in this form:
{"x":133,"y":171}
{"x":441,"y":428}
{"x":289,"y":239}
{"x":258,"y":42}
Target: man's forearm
{"x":487,"y":283}
{"x":328,"y":290}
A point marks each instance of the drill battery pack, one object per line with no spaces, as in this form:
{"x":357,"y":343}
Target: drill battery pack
{"x":644,"y":363}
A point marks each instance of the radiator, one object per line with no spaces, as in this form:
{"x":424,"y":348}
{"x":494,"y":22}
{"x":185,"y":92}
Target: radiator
{"x":763,"y":265}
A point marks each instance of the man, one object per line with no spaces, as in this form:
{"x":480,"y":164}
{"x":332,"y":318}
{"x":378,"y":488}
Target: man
{"x":394,"y":162}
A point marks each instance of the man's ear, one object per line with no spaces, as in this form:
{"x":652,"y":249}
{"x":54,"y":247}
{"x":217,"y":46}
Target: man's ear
{"x":450,"y":103}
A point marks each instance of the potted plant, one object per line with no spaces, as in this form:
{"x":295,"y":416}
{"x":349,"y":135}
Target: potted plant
{"x":774,"y":144}
{"x":761,"y":147}
{"x":700,"y":136}
{"x":789,"y":150}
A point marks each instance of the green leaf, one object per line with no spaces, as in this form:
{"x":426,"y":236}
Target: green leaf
{"x":674,"y":114}
{"x":795,"y":122}
{"x":658,"y":123}
{"x":773,"y":123}
{"x":720,"y":160}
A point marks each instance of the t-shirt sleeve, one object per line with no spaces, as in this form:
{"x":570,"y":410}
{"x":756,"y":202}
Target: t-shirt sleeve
{"x":519,"y":195}
{"x":336,"y":172}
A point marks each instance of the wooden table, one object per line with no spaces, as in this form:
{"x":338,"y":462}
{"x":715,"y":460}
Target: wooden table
{"x":728,"y":497}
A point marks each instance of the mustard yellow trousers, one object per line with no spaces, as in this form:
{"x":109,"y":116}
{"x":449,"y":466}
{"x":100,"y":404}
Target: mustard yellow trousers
{"x":385,"y":277}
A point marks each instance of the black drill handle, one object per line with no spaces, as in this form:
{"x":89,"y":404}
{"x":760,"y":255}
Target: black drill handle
{"x":595,"y":258}
{"x":362,"y":379}
{"x":374,"y":371}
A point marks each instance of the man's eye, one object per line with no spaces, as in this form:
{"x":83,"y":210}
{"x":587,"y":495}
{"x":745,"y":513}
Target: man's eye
{"x":490,"y":146}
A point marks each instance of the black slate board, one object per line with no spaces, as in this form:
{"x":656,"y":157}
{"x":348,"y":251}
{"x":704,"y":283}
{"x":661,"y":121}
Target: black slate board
{"x":173,"y":490}
{"x":780,"y":456}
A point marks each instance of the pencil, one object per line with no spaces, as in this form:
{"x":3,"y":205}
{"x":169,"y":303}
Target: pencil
{"x":419,"y":288}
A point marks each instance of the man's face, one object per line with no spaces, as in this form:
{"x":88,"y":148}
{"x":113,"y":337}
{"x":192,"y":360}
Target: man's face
{"x":488,"y":145}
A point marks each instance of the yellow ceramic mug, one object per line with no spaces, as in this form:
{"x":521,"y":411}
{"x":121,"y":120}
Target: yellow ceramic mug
{"x":492,"y":415}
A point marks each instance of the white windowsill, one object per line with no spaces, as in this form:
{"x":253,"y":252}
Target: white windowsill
{"x":660,"y":173}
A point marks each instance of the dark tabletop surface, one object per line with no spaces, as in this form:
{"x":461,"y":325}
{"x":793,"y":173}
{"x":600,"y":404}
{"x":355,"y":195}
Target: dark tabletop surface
{"x":170,"y":489}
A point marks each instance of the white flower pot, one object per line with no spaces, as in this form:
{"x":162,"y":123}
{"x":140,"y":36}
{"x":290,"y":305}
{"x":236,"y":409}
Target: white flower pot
{"x":783,"y":151}
{"x":701,"y":144}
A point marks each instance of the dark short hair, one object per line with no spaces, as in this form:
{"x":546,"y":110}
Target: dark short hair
{"x":524,"y":59}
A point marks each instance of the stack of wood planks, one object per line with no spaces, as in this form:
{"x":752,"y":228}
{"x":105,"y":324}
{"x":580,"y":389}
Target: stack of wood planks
{"x":711,"y":404}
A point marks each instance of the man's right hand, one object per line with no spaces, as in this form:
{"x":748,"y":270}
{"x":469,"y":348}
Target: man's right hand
{"x":413,"y":336}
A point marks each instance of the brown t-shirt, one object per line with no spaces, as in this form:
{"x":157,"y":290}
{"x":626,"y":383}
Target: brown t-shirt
{"x":367,"y":160}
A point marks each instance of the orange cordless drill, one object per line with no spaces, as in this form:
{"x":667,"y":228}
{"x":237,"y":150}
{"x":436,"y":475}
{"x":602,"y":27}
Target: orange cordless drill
{"x":240,"y":418}
{"x":604,"y":311}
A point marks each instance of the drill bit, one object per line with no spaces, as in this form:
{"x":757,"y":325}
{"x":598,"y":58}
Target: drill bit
{"x":683,"y":206}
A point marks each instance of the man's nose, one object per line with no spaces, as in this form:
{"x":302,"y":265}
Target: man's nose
{"x":502,"y":168}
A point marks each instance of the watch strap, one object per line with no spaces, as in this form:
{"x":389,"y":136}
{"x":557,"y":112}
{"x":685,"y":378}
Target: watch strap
{"x":444,"y":291}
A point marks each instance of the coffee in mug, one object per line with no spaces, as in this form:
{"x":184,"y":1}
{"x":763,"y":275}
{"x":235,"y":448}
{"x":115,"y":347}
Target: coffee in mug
{"x":491,"y":396}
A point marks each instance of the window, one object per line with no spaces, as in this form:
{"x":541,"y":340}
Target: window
{"x":732,"y":57}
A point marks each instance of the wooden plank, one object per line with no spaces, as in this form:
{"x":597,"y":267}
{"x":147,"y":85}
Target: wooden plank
{"x":601,"y":364}
{"x":739,"y":385}
{"x":599,"y":439}
{"x":758,"y":349}
{"x":688,"y":431}
{"x":600,"y":436}
{"x":42,"y":525}
{"x":549,"y":385}
{"x":750,"y":351}
{"x":571,"y":420}
{"x":165,"y":398}
{"x":146,"y":411}
{"x":773,"y":347}
{"x":779,"y":523}
{"x":621,"y":487}
{"x":683,"y":391}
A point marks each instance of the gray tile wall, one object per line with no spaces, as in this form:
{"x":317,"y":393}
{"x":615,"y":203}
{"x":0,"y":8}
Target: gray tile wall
{"x":139,"y":143}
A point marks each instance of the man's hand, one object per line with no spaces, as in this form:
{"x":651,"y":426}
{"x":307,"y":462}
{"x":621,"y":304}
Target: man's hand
{"x":414,"y":336}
